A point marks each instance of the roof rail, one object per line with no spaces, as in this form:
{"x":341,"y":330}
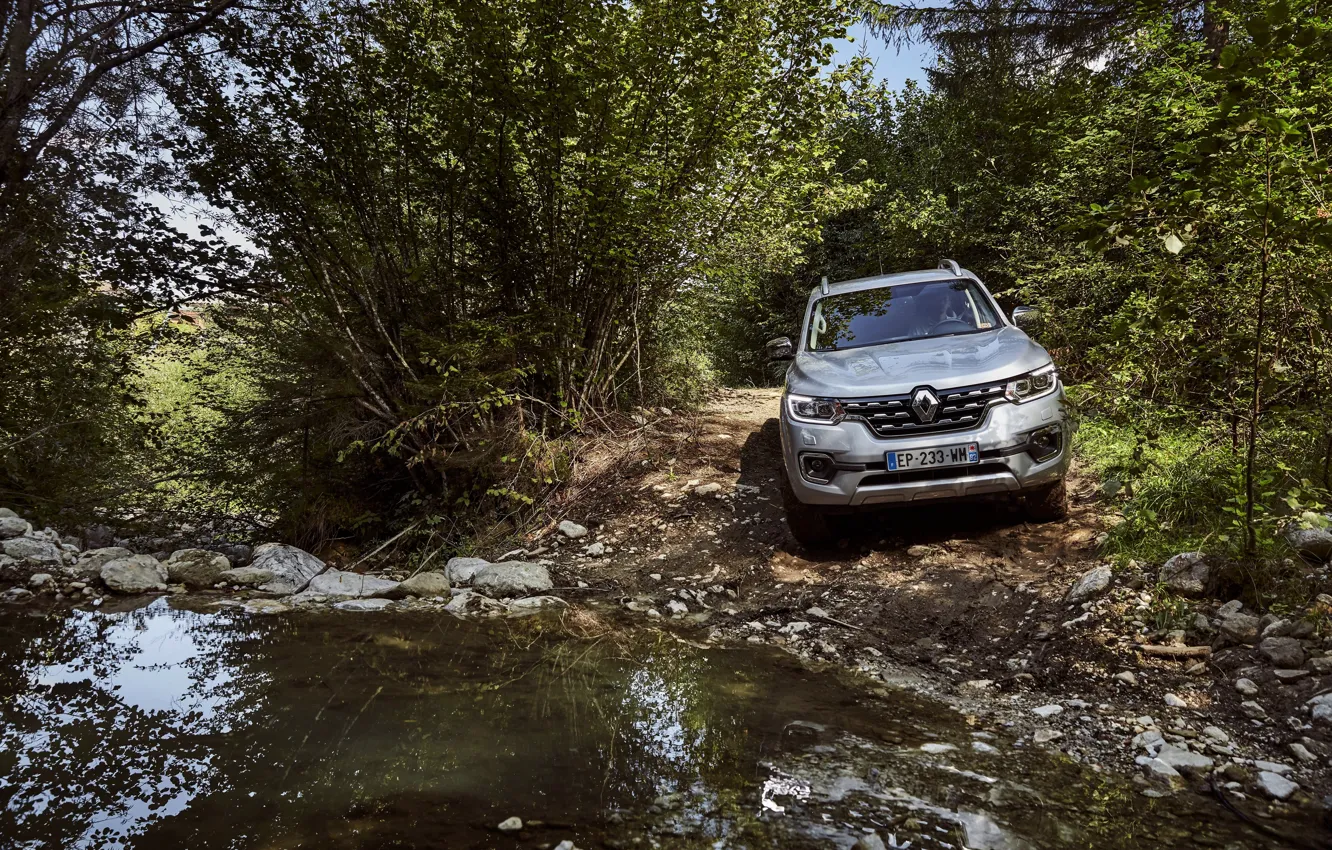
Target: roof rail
{"x":823,"y":285}
{"x":952,"y":266}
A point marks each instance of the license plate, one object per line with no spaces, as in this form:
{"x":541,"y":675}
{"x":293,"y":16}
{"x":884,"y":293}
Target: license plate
{"x":922,"y":458}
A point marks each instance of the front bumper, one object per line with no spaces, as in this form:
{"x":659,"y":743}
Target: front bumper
{"x":862,"y":477}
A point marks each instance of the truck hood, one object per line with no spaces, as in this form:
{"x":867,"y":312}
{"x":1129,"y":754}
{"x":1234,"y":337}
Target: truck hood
{"x":900,"y":367}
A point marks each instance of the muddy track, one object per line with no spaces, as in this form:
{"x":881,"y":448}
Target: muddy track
{"x":964,"y":600}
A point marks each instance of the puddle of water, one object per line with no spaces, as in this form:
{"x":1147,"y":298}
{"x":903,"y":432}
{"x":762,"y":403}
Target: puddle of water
{"x":164,"y":728}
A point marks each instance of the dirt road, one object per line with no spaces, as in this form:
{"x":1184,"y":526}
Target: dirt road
{"x":966,"y":601}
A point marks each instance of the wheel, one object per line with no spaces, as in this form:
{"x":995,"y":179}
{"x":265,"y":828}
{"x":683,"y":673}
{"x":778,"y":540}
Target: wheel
{"x":1048,"y":503}
{"x":808,"y":523}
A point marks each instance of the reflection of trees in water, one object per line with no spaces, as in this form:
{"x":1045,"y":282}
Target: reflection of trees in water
{"x":186,"y":729}
{"x":84,"y":754}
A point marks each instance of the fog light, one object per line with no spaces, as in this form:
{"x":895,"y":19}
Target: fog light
{"x":1045,"y":443}
{"x":817,"y":468}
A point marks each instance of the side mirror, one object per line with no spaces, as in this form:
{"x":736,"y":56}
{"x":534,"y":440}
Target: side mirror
{"x":1027,"y":318}
{"x":779,"y":348}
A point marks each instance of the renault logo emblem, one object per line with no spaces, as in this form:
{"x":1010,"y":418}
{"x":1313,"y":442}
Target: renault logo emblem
{"x":926,"y":404}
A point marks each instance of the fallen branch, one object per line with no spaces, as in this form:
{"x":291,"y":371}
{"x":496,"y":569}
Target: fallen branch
{"x":1174,"y":651}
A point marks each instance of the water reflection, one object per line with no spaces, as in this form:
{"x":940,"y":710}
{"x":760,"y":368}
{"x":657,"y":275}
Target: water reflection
{"x":163,"y":728}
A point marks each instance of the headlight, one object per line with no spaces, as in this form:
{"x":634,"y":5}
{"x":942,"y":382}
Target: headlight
{"x":1032,"y":385}
{"x":803,"y":408}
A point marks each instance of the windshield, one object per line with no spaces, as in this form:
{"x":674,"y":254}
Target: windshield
{"x":899,"y":313}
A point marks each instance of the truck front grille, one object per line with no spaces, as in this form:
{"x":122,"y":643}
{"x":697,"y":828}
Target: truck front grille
{"x":960,"y":409}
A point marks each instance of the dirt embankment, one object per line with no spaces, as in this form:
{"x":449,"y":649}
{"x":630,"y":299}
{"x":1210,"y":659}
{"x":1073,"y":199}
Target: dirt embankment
{"x":966,"y":601}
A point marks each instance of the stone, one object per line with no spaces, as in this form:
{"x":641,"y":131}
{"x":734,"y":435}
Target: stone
{"x":595,"y":550}
{"x":1322,"y":666}
{"x":512,"y":578}
{"x":1277,"y":628}
{"x":1150,"y":740}
{"x":984,"y":748}
{"x":1282,"y":652}
{"x":1186,"y":573}
{"x":572,"y":530}
{"x":1276,"y":786}
{"x":869,"y":842}
{"x":1175,"y":702}
{"x":1185,"y":761}
{"x":292,"y":568}
{"x":266,"y":606}
{"x":1302,"y":753}
{"x":1273,"y":766}
{"x":36,"y":551}
{"x":1285,"y":676}
{"x":135,"y":574}
{"x":1126,"y":677}
{"x":245,"y":576}
{"x":6,"y":513}
{"x":461,"y":571}
{"x":1048,"y":710}
{"x":1246,"y":687}
{"x":363,"y":604}
{"x":1089,"y":584}
{"x":1240,"y":628}
{"x":534,"y":604}
{"x":510,"y":825}
{"x":1216,"y":734}
{"x":16,"y":594}
{"x":1159,"y":770}
{"x":239,"y":554}
{"x":345,"y":585}
{"x":935,"y":749}
{"x":40,"y":580}
{"x":1312,"y":543}
{"x":12,"y":526}
{"x":1234,"y":606}
{"x":196,"y":567}
{"x":90,"y":563}
{"x":468,"y":601}
{"x":1201,"y":624}
{"x":709,"y":489}
{"x":1253,"y":710}
{"x":1045,"y":736}
{"x":677,"y":607}
{"x":426,"y":584}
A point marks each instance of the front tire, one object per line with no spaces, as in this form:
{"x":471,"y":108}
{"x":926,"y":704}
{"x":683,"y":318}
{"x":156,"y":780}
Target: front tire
{"x":1047,"y":504}
{"x":809,"y":524}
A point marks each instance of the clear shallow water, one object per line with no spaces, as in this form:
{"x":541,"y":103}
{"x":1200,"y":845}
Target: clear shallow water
{"x":163,"y":728}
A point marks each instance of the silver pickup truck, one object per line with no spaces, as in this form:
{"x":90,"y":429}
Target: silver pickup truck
{"x":910,"y":387}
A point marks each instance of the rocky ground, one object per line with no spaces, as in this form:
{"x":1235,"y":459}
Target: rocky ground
{"x":677,"y":522}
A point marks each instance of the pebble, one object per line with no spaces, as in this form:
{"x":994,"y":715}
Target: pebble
{"x":596,"y":550}
{"x":1275,"y":785}
{"x":935,"y":749}
{"x":1045,"y":736}
{"x":511,"y":824}
{"x":1246,"y":687}
{"x":1126,"y":677}
{"x":1174,"y":701}
{"x":573,"y":531}
{"x":1048,"y":710}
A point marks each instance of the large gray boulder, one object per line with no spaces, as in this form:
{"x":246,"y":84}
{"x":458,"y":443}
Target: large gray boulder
{"x":196,"y":567}
{"x":512,"y":578}
{"x":90,"y":563}
{"x":6,"y":513}
{"x":1186,"y":573}
{"x":135,"y":574}
{"x":462,"y":570}
{"x":36,"y":551}
{"x":350,"y":586}
{"x":426,"y":584}
{"x":1312,"y":543}
{"x":292,"y":568}
{"x":12,"y":526}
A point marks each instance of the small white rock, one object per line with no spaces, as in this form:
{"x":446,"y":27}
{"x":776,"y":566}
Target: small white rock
{"x":1174,"y":701}
{"x":511,"y":824}
{"x":1048,"y":710}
